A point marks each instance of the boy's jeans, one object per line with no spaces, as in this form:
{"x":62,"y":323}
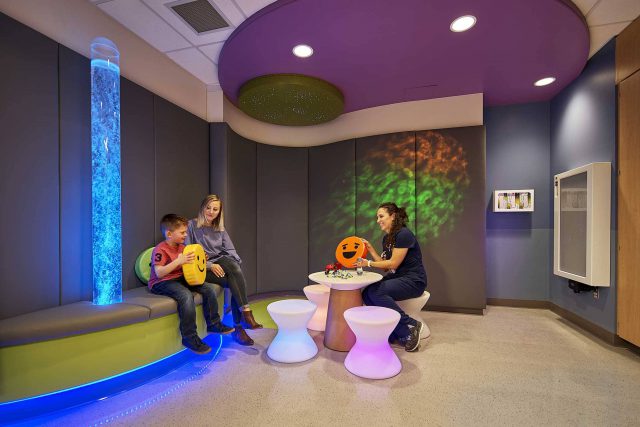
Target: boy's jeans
{"x":179,"y":290}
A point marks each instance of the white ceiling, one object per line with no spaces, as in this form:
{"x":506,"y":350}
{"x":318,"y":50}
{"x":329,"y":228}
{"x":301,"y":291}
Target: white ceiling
{"x":155,"y":22}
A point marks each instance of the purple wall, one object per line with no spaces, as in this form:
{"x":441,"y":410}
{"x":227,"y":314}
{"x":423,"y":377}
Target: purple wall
{"x":583,"y":130}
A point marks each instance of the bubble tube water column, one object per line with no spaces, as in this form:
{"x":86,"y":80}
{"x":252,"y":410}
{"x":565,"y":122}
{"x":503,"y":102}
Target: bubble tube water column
{"x":105,"y":167}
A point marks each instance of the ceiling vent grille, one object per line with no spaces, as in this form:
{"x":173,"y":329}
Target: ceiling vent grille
{"x":200,"y":15}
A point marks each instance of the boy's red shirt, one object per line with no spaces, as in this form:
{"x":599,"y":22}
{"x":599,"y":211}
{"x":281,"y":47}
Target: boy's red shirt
{"x":164,"y":254}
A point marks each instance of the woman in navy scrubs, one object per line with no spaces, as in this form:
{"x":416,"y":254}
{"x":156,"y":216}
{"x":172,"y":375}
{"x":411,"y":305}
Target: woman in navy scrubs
{"x":402,"y":258}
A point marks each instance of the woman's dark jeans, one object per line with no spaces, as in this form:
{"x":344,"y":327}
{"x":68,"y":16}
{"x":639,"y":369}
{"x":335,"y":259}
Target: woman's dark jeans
{"x":386,"y":292}
{"x":234,"y":280}
{"x":180,"y":290}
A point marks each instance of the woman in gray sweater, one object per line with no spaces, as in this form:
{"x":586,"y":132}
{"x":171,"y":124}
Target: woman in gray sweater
{"x":223,"y":263}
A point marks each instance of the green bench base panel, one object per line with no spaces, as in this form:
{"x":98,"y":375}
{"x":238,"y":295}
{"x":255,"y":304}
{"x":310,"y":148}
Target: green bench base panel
{"x":44,"y":367}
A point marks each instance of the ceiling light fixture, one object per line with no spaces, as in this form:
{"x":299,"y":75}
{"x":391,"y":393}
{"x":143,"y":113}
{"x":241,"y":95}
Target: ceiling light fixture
{"x":302,"y":51}
{"x":463,"y":23}
{"x":546,"y":81}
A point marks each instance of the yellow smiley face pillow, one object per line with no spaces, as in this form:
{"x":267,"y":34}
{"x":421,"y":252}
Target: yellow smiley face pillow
{"x":196,"y":271}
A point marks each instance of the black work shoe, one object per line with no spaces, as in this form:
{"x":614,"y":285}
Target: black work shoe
{"x":241,"y":336}
{"x":220,"y":328}
{"x":412,"y":341}
{"x":196,"y":345}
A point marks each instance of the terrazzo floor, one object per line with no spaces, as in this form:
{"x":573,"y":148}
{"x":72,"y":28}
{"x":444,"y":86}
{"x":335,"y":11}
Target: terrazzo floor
{"x":510,"y":367}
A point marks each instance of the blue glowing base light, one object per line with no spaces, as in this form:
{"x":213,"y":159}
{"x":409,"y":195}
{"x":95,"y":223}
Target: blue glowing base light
{"x":41,"y":409}
{"x":105,"y":184}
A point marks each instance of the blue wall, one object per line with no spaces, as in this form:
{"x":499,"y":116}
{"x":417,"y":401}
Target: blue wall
{"x":583,"y":130}
{"x":518,"y":243}
{"x":528,"y":144}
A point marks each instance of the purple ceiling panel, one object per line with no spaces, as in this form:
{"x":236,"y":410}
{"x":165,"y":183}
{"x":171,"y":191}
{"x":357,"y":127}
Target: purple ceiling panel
{"x":380,"y":52}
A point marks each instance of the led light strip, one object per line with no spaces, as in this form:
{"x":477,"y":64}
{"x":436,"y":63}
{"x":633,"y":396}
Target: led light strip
{"x":159,"y":396}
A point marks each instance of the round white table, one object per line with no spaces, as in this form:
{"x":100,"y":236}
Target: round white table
{"x":345,"y":294}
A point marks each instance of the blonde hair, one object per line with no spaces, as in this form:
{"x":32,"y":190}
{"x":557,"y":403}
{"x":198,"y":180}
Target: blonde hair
{"x":218,"y":222}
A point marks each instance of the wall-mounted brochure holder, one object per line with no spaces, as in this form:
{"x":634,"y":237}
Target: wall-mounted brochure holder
{"x":513,"y":201}
{"x":582,"y":224}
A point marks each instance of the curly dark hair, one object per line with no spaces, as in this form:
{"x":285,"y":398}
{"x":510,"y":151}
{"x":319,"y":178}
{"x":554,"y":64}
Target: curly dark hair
{"x":399,"y":220}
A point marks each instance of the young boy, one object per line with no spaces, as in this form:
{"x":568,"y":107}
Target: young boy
{"x":167,"y":279}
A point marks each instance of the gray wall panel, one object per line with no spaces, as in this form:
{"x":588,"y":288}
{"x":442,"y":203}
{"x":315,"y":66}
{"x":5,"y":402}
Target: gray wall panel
{"x":450,"y":185}
{"x":76,"y":271}
{"x":332,"y":200}
{"x":182,"y":161}
{"x":219,"y":133}
{"x":29,"y":173}
{"x":385,"y":170}
{"x":282,"y":218}
{"x":241,"y":204}
{"x":137,"y":151}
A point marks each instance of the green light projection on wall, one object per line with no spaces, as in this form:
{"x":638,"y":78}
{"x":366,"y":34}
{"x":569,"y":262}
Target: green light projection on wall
{"x":436,"y":188}
{"x":386,"y":175}
{"x":441,"y":168}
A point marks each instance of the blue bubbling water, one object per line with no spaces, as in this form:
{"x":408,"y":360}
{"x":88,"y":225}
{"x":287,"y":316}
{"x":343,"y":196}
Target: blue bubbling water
{"x":105,"y":184}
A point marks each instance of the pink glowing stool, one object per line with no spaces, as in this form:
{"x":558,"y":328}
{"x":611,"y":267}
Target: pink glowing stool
{"x":319,"y":295}
{"x":293,"y":342}
{"x":372,"y":356}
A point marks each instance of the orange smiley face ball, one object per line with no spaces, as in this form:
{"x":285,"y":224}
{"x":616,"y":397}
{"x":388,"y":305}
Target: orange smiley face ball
{"x":349,"y":250}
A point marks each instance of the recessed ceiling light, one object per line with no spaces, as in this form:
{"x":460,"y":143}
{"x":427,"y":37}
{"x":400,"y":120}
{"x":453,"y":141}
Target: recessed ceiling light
{"x":303,"y":51}
{"x":545,"y":81}
{"x":463,"y":23}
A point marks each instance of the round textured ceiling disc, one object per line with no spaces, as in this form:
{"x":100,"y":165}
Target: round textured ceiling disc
{"x":290,"y":100}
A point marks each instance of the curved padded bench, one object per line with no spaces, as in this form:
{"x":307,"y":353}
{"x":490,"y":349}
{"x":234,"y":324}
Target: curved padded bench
{"x":157,"y":305}
{"x":68,"y":320}
{"x":138,"y":305}
{"x":66,"y":346}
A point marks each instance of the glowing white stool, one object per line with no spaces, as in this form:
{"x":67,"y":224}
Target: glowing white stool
{"x":293,"y":342}
{"x":319,"y":295}
{"x":372,"y":356}
{"x":413,"y":308}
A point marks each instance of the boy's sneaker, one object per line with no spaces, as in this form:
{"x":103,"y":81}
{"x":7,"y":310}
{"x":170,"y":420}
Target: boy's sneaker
{"x":196,"y":345}
{"x":412,"y":341}
{"x":220,"y":328}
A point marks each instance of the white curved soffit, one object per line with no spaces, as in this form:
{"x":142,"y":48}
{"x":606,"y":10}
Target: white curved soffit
{"x":440,"y":113}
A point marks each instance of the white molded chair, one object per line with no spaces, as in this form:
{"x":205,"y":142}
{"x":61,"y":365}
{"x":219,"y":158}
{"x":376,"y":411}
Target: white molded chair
{"x":372,"y":356}
{"x":413,"y":308}
{"x":319,"y":295}
{"x":293,"y":342}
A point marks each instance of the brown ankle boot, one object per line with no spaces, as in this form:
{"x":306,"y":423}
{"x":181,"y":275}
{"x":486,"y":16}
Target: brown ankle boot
{"x":241,"y":337}
{"x":248,"y":321}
